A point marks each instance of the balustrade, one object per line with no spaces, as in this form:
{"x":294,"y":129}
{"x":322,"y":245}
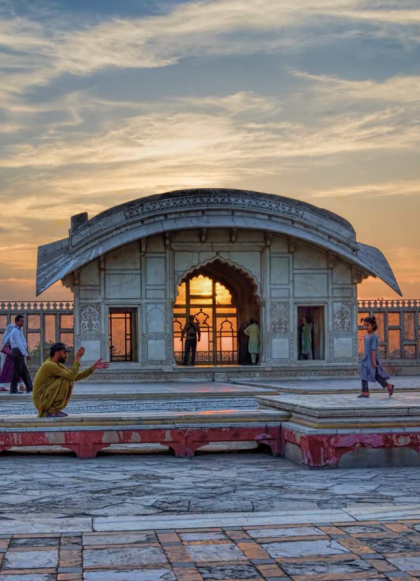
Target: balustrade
{"x":45,"y":324}
{"x":398,"y":327}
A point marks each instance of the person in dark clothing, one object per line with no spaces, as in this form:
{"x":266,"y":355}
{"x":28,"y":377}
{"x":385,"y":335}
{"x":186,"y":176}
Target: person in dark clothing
{"x":244,"y":357}
{"x":192,"y":333}
{"x":19,"y":356}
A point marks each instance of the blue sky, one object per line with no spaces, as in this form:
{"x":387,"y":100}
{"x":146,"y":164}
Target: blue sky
{"x":102,"y":102}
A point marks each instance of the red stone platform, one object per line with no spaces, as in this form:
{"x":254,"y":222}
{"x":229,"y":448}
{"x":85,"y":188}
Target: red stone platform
{"x":182,"y":432}
{"x":343,"y":431}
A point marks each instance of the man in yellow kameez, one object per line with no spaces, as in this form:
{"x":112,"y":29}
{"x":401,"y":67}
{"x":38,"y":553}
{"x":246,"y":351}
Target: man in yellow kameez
{"x":253,"y":332}
{"x":53,"y":385}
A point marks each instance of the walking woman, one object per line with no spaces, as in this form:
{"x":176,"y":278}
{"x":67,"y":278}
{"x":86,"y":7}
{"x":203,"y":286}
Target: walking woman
{"x":6,"y":361}
{"x":371,"y":368}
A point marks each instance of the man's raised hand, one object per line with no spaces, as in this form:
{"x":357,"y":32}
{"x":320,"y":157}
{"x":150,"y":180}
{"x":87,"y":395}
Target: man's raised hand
{"x":100,"y":364}
{"x":80,"y":353}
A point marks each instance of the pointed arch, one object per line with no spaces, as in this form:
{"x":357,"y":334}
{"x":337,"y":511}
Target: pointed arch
{"x":224,"y":270}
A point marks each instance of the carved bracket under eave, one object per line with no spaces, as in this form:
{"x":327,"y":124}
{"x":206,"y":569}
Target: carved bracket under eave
{"x":291,"y":244}
{"x":331,"y":260}
{"x":268,"y":237}
{"x":68,"y":281}
{"x":358,"y":275}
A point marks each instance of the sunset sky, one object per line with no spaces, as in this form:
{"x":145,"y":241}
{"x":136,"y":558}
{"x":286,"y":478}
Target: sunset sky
{"x":105,"y":101}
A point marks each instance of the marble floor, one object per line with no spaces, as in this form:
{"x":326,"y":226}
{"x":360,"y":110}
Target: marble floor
{"x":401,"y":403}
{"x":57,"y":485}
{"x":328,"y":386}
{"x":305,"y":552}
{"x":231,"y":516}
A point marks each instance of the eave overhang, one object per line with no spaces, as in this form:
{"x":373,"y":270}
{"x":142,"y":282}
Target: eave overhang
{"x":192,"y":209}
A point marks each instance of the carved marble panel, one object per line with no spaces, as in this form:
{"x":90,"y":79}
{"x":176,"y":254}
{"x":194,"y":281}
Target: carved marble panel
{"x":155,"y":270}
{"x":307,"y":257}
{"x":311,"y":285}
{"x":157,"y":349}
{"x":343,"y":292}
{"x":280,"y":348}
{"x":125,"y":258}
{"x":156,"y":318}
{"x":279,"y":270}
{"x":341,"y":274}
{"x":123,"y":285}
{"x":343,"y":320}
{"x":92,"y":349}
{"x":343,"y":347}
{"x":279,"y":315}
{"x":279,"y":244}
{"x":280,"y":293}
{"x":89,"y":318}
{"x":89,"y":274}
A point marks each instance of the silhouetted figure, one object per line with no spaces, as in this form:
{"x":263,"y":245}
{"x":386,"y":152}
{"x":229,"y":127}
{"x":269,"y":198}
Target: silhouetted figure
{"x":192,"y":333}
{"x":244,"y":357}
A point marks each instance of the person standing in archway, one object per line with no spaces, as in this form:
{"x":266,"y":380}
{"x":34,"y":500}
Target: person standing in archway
{"x":192,"y":333}
{"x":253,"y":332}
{"x":243,"y":340}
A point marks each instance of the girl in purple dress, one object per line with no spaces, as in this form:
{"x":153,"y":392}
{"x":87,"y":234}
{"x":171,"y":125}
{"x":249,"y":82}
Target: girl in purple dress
{"x":371,"y":368}
{"x":6,"y":361}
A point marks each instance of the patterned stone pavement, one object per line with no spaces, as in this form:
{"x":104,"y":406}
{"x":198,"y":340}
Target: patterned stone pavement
{"x":306,"y":552}
{"x":110,"y":405}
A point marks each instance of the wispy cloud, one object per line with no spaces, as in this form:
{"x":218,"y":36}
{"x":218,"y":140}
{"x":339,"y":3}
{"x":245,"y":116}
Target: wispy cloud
{"x":396,"y":188}
{"x":41,"y":52}
{"x":402,"y":90}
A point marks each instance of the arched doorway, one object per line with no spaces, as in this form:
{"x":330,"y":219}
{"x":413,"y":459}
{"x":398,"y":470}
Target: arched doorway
{"x":221,"y":298}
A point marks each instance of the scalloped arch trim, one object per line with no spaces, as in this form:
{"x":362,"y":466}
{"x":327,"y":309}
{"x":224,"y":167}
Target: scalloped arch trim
{"x":256,"y":291}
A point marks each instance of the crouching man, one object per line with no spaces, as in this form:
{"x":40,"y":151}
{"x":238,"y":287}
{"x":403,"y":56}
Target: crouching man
{"x":53,"y":386}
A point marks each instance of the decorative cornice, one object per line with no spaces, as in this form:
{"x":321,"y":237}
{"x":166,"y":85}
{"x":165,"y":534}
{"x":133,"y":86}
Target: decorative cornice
{"x":218,"y":198}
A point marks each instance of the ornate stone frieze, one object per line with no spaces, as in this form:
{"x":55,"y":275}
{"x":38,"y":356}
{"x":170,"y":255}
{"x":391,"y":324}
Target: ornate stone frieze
{"x":89,"y":318}
{"x":213,"y":199}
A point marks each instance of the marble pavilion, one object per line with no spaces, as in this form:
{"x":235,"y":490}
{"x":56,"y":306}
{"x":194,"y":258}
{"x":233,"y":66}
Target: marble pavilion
{"x":138,"y":270}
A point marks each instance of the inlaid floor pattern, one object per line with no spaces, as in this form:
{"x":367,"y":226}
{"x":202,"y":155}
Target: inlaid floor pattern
{"x":302,"y":552}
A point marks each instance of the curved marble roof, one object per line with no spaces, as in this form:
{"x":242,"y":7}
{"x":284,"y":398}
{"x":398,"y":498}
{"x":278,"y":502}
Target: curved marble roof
{"x":205,"y":208}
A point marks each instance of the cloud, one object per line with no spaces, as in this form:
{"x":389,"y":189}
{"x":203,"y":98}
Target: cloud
{"x":176,"y":136}
{"x":37,"y":53}
{"x":406,"y":262}
{"x":399,"y":89}
{"x":395,"y":188}
{"x":42,"y":208}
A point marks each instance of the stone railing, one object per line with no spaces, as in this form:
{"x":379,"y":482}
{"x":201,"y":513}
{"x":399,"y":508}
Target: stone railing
{"x":45,"y":323}
{"x":398,"y":326}
{"x":398,"y":329}
{"x":25,"y":306}
{"x":389,"y":304}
